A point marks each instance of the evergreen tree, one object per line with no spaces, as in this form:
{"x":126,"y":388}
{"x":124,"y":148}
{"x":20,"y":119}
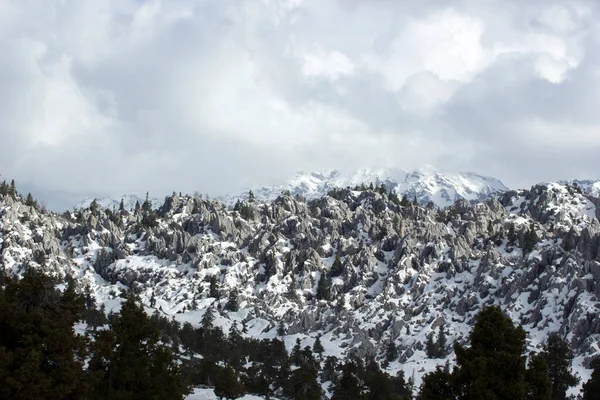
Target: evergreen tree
{"x":138,"y":366}
{"x":12,"y":191}
{"x":349,"y":386}
{"x":136,"y":209}
{"x":303,"y":384}
{"x":539,"y":386}
{"x":318,"y":347}
{"x":94,"y":207}
{"x":232,"y":301}
{"x":296,"y":355}
{"x":29,"y":201}
{"x":494,"y":366}
{"x":122,"y":206}
{"x":280,"y":329}
{"x":336,"y":268}
{"x":530,"y":239}
{"x":415,"y":201}
{"x":228,"y":386}
{"x":213,"y":290}
{"x":323,"y":288}
{"x":591,"y":389}
{"x":41,"y":357}
{"x":3,"y":189}
{"x":442,"y":342}
{"x":391,"y":352}
{"x":404,"y":202}
{"x":207,"y":319}
{"x":559,"y":358}
{"x":251,"y":197}
{"x":438,"y":385}
{"x":147,"y":205}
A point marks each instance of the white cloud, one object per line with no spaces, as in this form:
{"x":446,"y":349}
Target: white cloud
{"x":129,"y":95}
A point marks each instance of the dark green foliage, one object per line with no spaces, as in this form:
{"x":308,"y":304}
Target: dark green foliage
{"x":591,"y":389}
{"x":280,"y":329}
{"x":323,"y":288}
{"x":394,"y":197}
{"x":391,"y":352}
{"x":40,"y":355}
{"x":349,"y":387}
{"x":318,"y":347}
{"x":438,"y":385}
{"x":404,"y":202}
{"x":303,"y":384}
{"x":129,"y":363}
{"x":227,"y":385}
{"x":436,"y":348}
{"x":539,"y":386}
{"x":12,"y":191}
{"x":207,"y":319}
{"x":4,"y":189}
{"x":232,"y":301}
{"x":213,"y":290}
{"x":147,"y":205}
{"x":337,"y":268}
{"x":494,"y":366}
{"x":530,"y":239}
{"x":251,"y":197}
{"x":559,"y":357}
{"x":94,"y":207}
{"x":29,"y":201}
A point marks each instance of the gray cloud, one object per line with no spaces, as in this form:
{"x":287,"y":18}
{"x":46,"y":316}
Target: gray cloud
{"x":114,"y":96}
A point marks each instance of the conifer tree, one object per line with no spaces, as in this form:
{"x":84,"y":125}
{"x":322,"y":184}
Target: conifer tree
{"x":336,"y":268}
{"x":349,"y":386}
{"x":228,"y":386}
{"x":318,"y":347}
{"x":29,"y":201}
{"x":323,"y":288}
{"x":12,"y":191}
{"x":591,"y":389}
{"x":559,"y":357}
{"x":438,"y":385}
{"x":232,"y":301}
{"x":404,"y":202}
{"x":213,"y":290}
{"x":494,"y":365}
{"x":539,"y":386}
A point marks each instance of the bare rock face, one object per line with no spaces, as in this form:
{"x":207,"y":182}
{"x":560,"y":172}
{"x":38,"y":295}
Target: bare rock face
{"x":391,"y":273}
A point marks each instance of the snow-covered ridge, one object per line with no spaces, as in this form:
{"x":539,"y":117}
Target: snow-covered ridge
{"x":113,"y":203}
{"x":427,"y":184}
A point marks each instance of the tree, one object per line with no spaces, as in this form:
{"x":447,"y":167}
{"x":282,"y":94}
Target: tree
{"x":559,"y":357}
{"x":130,"y":363}
{"x":41,"y":357}
{"x":437,"y":385}
{"x":29,"y":201}
{"x":539,"y":386}
{"x":404,"y":202}
{"x":122,"y":206}
{"x":251,"y":197}
{"x":322,"y":288}
{"x":227,"y":385}
{"x":303,"y":384}
{"x":207,"y":319}
{"x":391,"y":352}
{"x":281,"y":329}
{"x":147,"y":205}
{"x":336,"y":268}
{"x":591,"y":389}
{"x":530,"y":238}
{"x":318,"y":347}
{"x":213,"y":290}
{"x":349,"y":387}
{"x":494,"y":366}
{"x":12,"y":191}
{"x":232,"y":301}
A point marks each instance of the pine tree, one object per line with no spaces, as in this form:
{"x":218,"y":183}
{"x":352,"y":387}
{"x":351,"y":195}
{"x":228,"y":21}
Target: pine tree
{"x":12,"y":191}
{"x":337,"y":268}
{"x":349,"y":386}
{"x":138,"y":366}
{"x":213,"y":290}
{"x":146,"y":205}
{"x":494,"y":365}
{"x":323,"y":288}
{"x":122,"y":206}
{"x":591,"y":389}
{"x":318,"y":347}
{"x":232,"y":301}
{"x":303,"y":384}
{"x":438,"y":385}
{"x":391,"y":352}
{"x":280,"y":329}
{"x":539,"y":386}
{"x":29,"y":201}
{"x":251,"y":197}
{"x":228,"y":386}
{"x":404,"y":202}
{"x":559,"y":357}
{"x":41,"y":357}
{"x":207,"y":319}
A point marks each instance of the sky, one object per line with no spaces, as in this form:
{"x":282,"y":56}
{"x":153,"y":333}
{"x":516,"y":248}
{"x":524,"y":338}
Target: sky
{"x":106,"y":97}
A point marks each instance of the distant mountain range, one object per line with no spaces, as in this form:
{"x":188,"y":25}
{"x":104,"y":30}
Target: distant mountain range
{"x":426,"y":184}
{"x":111,"y":203}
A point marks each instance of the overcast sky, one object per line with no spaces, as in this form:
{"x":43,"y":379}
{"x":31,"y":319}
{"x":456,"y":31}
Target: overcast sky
{"x":102,"y":97}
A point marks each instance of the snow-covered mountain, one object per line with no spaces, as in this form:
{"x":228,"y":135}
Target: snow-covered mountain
{"x":394,"y":273}
{"x":587,"y":186}
{"x":113,"y":203}
{"x":426,"y":184}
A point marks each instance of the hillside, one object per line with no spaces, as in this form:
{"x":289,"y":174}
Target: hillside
{"x":389,"y":273}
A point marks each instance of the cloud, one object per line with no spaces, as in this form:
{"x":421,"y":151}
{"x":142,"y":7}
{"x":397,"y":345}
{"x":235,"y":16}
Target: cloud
{"x":116,"y":96}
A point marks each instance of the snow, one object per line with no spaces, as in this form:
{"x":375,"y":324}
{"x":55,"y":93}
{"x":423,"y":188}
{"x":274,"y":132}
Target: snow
{"x":209,"y":394}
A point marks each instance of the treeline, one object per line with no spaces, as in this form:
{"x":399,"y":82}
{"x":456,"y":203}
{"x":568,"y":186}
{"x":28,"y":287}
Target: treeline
{"x":131,"y":355}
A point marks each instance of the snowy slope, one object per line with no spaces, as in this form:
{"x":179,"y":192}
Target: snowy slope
{"x":112,"y":203}
{"x":406,"y":270}
{"x":588,"y":186}
{"x":426,"y":184}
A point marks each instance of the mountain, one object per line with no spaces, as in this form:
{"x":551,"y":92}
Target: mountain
{"x":392,"y":273}
{"x":113,"y":203}
{"x":426,"y":184}
{"x":588,"y":186}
